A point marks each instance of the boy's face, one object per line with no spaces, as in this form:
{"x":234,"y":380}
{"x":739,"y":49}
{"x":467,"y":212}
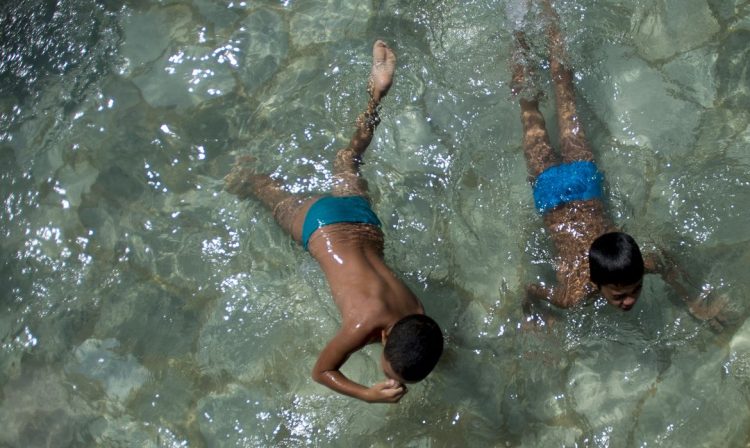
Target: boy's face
{"x":622,"y":296}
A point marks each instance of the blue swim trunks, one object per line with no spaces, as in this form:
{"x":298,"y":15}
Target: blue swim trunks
{"x":337,"y":209}
{"x":560,"y":184}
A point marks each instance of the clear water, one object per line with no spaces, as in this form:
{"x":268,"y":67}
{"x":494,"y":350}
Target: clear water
{"x":144,"y":307}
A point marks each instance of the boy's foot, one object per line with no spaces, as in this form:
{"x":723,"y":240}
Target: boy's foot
{"x":520,"y":65}
{"x":383,"y":66}
{"x":522,"y":83}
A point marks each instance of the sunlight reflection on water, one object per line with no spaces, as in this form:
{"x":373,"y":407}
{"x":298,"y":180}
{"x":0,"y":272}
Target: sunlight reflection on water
{"x":144,"y":306}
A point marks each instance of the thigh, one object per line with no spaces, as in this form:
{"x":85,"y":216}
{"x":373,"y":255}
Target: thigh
{"x":290,"y":214}
{"x":536,"y":145}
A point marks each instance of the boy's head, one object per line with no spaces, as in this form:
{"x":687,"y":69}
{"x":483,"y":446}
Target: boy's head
{"x":616,"y":268}
{"x":412,"y":348}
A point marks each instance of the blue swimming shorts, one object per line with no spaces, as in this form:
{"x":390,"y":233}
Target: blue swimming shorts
{"x":337,"y":209}
{"x":560,"y":184}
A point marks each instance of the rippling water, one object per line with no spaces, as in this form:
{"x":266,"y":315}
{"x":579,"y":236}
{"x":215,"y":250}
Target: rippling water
{"x":142,"y":306}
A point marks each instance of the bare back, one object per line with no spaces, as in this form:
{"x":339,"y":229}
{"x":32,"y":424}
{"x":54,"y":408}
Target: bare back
{"x":348,"y":246}
{"x":363,"y":287}
{"x":573,"y":227}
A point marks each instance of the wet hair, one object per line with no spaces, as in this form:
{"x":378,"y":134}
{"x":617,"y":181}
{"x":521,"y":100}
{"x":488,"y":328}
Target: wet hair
{"x":414,"y":346}
{"x":615,"y":259}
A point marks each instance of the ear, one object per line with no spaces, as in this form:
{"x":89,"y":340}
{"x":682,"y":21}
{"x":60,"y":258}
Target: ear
{"x":383,"y":336}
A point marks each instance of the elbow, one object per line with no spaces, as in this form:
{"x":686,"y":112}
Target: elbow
{"x":317,"y":376}
{"x":538,"y":292}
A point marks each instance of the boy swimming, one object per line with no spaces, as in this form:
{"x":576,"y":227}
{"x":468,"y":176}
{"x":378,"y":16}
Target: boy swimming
{"x":592,"y":255}
{"x":343,"y":234}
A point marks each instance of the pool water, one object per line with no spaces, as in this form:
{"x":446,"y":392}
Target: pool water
{"x":143,"y":306}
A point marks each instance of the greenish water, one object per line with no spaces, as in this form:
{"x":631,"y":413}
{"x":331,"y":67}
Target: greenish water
{"x":142,"y":306}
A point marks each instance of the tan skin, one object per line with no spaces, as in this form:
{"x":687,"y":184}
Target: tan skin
{"x":369,"y":295}
{"x":575,"y":225}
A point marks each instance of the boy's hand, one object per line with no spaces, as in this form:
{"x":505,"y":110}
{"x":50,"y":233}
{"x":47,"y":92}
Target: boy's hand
{"x":389,"y":391}
{"x":708,"y":306}
{"x":715,"y":309}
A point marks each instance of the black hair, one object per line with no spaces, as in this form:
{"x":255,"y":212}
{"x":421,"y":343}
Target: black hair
{"x":414,"y":346}
{"x":615,"y":259}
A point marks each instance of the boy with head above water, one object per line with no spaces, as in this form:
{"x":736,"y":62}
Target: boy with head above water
{"x":592,"y":255}
{"x":343,"y":234}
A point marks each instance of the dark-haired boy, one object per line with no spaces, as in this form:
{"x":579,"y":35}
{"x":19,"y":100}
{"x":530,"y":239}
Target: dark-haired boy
{"x":343,"y":234}
{"x":616,"y":267}
{"x":592,"y":256}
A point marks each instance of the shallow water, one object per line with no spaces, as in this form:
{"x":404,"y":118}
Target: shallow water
{"x":142,"y":306}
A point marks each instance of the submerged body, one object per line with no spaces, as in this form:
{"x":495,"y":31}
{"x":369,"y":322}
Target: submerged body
{"x":573,"y":227}
{"x":343,"y":235}
{"x":573,"y":222}
{"x":572,"y":205}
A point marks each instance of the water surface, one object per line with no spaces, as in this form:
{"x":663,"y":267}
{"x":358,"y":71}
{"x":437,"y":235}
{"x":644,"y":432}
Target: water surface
{"x":143,"y":306}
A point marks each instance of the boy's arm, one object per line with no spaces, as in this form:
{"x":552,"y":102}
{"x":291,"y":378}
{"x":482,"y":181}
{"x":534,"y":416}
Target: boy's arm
{"x":335,"y":354}
{"x":702,"y":302}
{"x":539,"y":292}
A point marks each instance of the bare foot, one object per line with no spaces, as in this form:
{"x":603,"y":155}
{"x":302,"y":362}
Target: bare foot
{"x":241,"y":177}
{"x":383,"y":66}
{"x":520,"y":63}
{"x":522,"y":81}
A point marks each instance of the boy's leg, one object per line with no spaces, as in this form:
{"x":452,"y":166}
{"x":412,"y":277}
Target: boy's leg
{"x":347,"y":178}
{"x":288,"y":209}
{"x":573,"y":143}
{"x":536,"y":146}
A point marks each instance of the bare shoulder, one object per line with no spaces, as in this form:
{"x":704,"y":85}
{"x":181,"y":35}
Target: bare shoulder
{"x":362,"y":329}
{"x":571,"y":297}
{"x":564,"y":295}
